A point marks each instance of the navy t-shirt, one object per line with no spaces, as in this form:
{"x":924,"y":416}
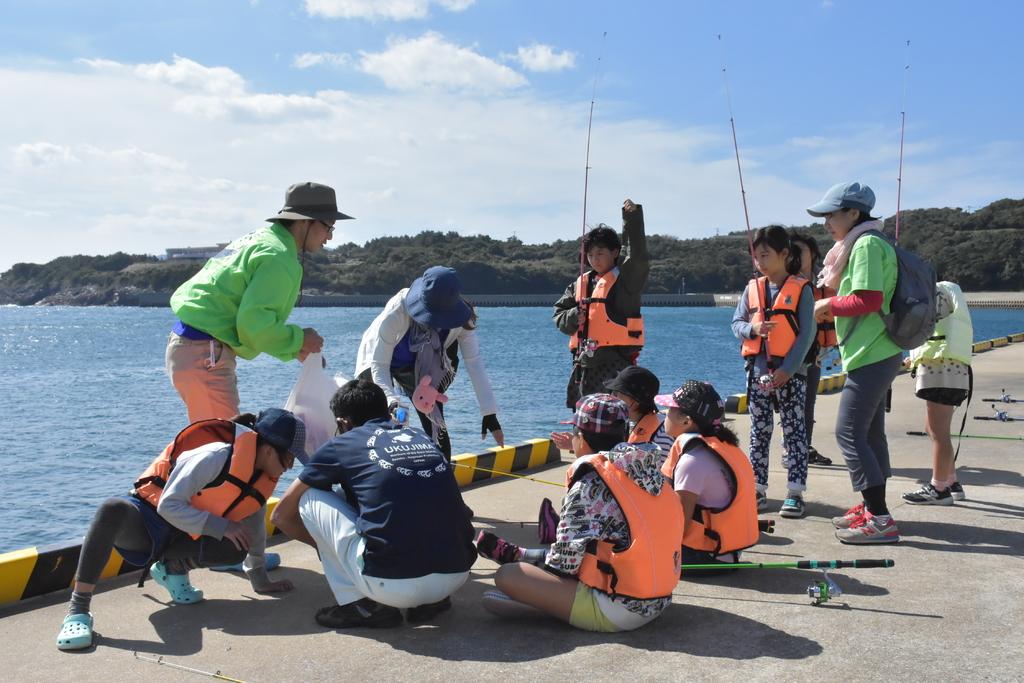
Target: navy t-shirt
{"x":410,"y":509}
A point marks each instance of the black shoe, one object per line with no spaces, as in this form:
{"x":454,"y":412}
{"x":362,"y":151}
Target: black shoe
{"x":364,"y":612}
{"x":816,"y":458}
{"x":424,"y":613}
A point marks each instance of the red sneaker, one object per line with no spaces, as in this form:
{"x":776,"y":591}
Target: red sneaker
{"x":869,"y":530}
{"x":852,"y":515}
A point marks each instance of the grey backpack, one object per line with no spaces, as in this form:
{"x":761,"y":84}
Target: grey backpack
{"x":912,"y":312}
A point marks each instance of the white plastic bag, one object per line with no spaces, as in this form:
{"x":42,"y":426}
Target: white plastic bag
{"x":310,"y":400}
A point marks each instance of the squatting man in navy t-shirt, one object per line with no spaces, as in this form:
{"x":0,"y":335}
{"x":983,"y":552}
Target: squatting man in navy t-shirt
{"x":381,"y":506}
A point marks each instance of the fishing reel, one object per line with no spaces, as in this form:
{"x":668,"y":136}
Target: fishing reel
{"x":824,"y":590}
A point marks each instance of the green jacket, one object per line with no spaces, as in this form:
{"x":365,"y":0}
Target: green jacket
{"x":244,"y":295}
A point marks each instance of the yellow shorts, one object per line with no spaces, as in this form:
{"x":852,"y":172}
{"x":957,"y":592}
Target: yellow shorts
{"x":586,"y":612}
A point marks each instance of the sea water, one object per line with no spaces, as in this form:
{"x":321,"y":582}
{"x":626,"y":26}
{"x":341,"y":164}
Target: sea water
{"x":86,"y":404}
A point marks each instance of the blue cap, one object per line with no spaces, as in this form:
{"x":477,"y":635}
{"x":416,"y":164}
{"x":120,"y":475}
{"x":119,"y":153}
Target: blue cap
{"x":845,"y":196}
{"x":283,"y":431}
{"x":435,"y":299}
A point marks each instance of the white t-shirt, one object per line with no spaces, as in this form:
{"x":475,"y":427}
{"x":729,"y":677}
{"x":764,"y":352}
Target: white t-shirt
{"x":701,"y":471}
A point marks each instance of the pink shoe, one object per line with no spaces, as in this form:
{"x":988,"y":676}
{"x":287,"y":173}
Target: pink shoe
{"x":492,"y":547}
{"x":852,"y":515}
{"x":868,"y":531}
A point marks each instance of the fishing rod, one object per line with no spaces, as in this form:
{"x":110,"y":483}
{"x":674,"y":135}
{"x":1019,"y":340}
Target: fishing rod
{"x":163,"y":662}
{"x":581,"y":313}
{"x":736,"y":148}
{"x":976,"y":436}
{"x":1003,"y":398}
{"x":508,"y":474}
{"x":1000,"y":416}
{"x":820,"y":591}
{"x":903,"y":123}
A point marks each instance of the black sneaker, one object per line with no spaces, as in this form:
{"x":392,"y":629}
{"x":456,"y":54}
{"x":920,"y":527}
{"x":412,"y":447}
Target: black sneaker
{"x":816,"y":458}
{"x":361,"y":613}
{"x":424,"y":613}
{"x":957,"y":491}
{"x":929,"y":495}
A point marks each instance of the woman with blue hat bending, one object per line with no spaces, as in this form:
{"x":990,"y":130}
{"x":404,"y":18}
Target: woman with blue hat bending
{"x":419,"y":334}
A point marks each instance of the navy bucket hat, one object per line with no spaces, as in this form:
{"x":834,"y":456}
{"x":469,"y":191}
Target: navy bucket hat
{"x":845,"y":196}
{"x":281,"y":429}
{"x":435,"y":299}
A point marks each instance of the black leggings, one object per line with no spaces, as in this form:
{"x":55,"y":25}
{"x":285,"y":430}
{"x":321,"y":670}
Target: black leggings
{"x":118,"y":522}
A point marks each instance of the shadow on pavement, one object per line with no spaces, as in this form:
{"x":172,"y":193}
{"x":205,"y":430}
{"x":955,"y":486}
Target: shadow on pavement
{"x":968,"y":476}
{"x":786,"y":581}
{"x":961,"y":538}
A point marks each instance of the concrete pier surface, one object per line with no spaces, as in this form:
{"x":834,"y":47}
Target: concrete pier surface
{"x":949,"y":609}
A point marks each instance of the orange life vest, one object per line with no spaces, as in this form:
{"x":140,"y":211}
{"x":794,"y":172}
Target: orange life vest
{"x":643,"y":431}
{"x":649,"y":567}
{"x":780,"y":340}
{"x":733,"y":527}
{"x":238,"y":491}
{"x":826,"y":330}
{"x":598,"y":329}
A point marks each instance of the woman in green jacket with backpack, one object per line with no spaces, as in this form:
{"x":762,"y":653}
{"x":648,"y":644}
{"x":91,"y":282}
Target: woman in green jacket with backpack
{"x":862,"y":269}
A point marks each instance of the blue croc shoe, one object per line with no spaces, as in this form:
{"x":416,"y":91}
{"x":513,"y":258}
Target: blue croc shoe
{"x":181,"y":590}
{"x":273,"y":561}
{"x":76,"y":633}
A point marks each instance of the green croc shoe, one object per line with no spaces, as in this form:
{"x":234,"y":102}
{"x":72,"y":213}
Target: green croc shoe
{"x":76,"y":633}
{"x":181,"y":590}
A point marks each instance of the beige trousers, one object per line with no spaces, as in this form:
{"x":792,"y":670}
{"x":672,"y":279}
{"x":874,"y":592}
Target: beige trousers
{"x":203,"y":372}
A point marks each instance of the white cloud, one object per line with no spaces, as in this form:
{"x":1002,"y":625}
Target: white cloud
{"x":396,"y":10}
{"x":431,"y":62}
{"x":41,"y":154}
{"x":137,"y":172}
{"x":539,"y":57}
{"x":308,"y":59}
{"x":182,"y":72}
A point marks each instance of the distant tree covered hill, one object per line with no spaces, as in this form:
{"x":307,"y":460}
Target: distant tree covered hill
{"x":983,"y":250}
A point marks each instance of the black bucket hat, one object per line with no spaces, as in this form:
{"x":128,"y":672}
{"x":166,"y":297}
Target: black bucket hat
{"x":638,"y":383}
{"x":310,"y":201}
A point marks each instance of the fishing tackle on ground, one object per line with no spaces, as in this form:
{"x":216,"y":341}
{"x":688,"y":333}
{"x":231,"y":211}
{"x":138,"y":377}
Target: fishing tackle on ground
{"x":163,"y":662}
{"x":977,"y":436}
{"x":820,"y":591}
{"x":1003,"y":398}
{"x":1000,"y":416}
{"x":824,"y":590}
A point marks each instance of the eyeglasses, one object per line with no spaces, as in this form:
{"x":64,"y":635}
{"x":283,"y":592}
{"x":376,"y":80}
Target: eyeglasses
{"x":327,"y":226}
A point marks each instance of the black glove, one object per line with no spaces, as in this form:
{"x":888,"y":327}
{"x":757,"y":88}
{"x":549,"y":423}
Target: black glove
{"x":489,"y":424}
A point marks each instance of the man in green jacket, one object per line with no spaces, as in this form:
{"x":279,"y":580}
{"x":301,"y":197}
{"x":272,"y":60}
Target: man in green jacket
{"x":239,"y":303}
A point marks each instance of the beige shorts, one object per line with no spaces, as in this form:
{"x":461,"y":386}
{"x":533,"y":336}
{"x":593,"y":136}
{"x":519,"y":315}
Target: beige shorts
{"x":203,"y":372}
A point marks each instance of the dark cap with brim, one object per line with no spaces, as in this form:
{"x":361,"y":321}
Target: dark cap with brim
{"x":435,"y":299}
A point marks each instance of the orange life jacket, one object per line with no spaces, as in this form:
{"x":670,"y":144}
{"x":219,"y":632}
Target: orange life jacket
{"x":598,"y":329}
{"x":643,"y":431}
{"x":238,"y":491}
{"x":826,"y":330}
{"x":733,"y":527}
{"x":649,"y":567}
{"x":780,"y":340}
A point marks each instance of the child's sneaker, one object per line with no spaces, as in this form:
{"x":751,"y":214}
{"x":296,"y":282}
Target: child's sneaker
{"x":929,"y":495}
{"x":816,"y":458}
{"x":762,"y":500}
{"x":497,"y":549}
{"x":851,"y":516}
{"x":869,"y":531}
{"x":792,"y":507}
{"x":957,"y":491}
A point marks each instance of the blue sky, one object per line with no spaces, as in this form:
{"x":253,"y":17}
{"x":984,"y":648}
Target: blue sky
{"x":139,"y":126}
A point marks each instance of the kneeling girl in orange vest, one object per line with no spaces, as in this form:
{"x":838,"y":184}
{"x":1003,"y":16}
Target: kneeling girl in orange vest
{"x":615,"y":560}
{"x":200,"y":503}
{"x":711,"y":475}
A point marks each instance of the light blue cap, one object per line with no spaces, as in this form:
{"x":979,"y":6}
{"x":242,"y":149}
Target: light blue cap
{"x":845,"y":196}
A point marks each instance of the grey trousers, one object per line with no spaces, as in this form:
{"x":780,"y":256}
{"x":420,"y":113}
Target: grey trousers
{"x":860,"y":424}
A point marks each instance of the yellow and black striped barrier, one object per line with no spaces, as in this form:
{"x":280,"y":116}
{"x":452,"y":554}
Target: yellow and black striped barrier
{"x":29,"y":572}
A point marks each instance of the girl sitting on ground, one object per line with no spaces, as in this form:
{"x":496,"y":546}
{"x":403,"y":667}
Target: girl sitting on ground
{"x":165,"y":525}
{"x":611,"y":567}
{"x":711,"y":475}
{"x":775,"y":321}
